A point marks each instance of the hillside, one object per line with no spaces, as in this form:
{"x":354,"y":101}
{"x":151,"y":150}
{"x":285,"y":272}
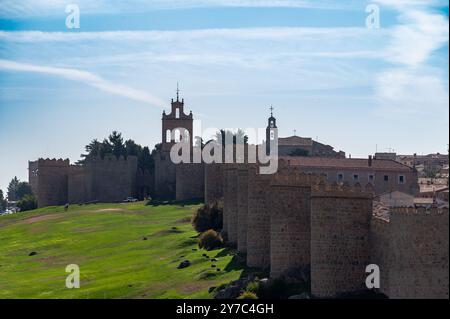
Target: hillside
{"x":123,"y":251}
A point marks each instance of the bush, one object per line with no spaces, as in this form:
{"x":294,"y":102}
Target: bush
{"x":28,"y":202}
{"x":210,"y":239}
{"x":253,"y":287}
{"x":208,"y":217}
{"x":248,"y":295}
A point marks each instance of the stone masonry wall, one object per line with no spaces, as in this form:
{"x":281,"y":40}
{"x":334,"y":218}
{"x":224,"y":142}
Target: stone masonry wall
{"x":190,"y":181}
{"x":213,"y":182}
{"x":340,"y":219}
{"x":49,"y":179}
{"x":242,"y":207}
{"x":418,"y":260}
{"x":258,"y":216}
{"x":290,"y":226}
{"x":230,"y":203}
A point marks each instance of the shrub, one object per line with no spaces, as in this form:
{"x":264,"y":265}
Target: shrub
{"x":248,"y":295}
{"x":276,"y":289}
{"x":253,"y":287}
{"x":28,"y":202}
{"x":208,"y":217}
{"x":210,"y":239}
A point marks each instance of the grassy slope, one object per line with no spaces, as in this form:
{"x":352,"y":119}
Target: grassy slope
{"x":106,"y":241}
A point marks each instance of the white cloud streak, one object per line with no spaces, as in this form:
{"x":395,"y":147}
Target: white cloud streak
{"x":411,"y":86}
{"x":30,"y":8}
{"x":87,"y":78}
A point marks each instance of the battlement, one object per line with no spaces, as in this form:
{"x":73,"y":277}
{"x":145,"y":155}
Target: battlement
{"x":323,"y":189}
{"x":112,"y":159}
{"x":288,"y":176}
{"x":41,"y":162}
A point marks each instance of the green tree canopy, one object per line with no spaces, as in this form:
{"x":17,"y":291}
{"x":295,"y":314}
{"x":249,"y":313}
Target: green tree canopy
{"x":12,"y":189}
{"x":115,"y":145}
{"x":2,"y":202}
{"x":17,"y":189}
{"x":225,"y":136}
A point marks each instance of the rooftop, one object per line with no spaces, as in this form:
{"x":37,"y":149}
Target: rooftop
{"x":295,"y":141}
{"x":346,"y":163}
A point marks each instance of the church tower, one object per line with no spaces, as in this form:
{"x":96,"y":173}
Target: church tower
{"x":271,"y":131}
{"x":176,"y":126}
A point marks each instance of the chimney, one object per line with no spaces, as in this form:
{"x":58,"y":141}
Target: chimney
{"x":370,"y":160}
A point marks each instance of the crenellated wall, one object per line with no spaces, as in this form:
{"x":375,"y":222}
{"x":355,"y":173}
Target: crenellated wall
{"x":190,"y":181}
{"x":340,"y":223}
{"x":104,"y":180}
{"x":230,"y":203}
{"x":145,"y":181}
{"x":49,"y":180}
{"x":165,"y":176}
{"x":242,"y":207}
{"x":258,"y":216}
{"x":290,"y":221}
{"x":213,"y":183}
{"x":411,"y":250}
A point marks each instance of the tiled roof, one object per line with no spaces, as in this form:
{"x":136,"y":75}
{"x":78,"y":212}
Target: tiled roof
{"x":345,"y":163}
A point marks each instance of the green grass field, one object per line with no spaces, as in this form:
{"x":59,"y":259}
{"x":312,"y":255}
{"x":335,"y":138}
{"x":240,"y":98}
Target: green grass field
{"x":107,"y":242}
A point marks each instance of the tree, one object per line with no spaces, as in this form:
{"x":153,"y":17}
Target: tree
{"x":94,"y":148}
{"x":145,"y":160}
{"x":12,"y":189}
{"x":28,"y":202}
{"x":23,"y":189}
{"x":2,"y":202}
{"x":225,"y":137}
{"x":117,"y":146}
{"x":114,"y":145}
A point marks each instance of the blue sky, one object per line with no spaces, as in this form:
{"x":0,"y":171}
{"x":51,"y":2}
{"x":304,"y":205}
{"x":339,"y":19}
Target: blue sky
{"x":327,"y":75}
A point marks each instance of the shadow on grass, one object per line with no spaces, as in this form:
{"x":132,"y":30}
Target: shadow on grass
{"x":238,"y":263}
{"x":163,"y":202}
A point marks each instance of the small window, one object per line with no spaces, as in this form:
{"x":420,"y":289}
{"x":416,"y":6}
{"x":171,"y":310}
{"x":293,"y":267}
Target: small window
{"x":168,"y":136}
{"x":371,"y":178}
{"x":177,"y":136}
{"x":355,"y":177}
{"x":340,"y":177}
{"x":401,"y":179}
{"x":386,"y":178}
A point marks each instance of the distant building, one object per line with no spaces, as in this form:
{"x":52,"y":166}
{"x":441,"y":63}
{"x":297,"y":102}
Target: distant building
{"x":384,"y":175}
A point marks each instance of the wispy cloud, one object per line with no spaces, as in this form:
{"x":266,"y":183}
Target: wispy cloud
{"x":86,"y":78}
{"x":27,"y":8}
{"x":274,"y":33}
{"x":411,"y":86}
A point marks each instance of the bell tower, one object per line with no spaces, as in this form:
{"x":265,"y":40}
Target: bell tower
{"x":176,"y":126}
{"x":271,"y":130}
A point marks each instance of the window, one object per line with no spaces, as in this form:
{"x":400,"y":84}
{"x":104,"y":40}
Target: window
{"x":168,"y":136}
{"x":401,"y":179}
{"x":386,"y":178}
{"x":355,"y":177}
{"x":186,"y":137}
{"x":340,"y":177}
{"x":371,"y":178}
{"x":177,"y":136}
{"x":177,"y":113}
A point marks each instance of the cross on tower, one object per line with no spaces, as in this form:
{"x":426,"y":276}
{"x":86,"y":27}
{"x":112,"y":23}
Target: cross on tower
{"x":271,"y":110}
{"x":295,"y":132}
